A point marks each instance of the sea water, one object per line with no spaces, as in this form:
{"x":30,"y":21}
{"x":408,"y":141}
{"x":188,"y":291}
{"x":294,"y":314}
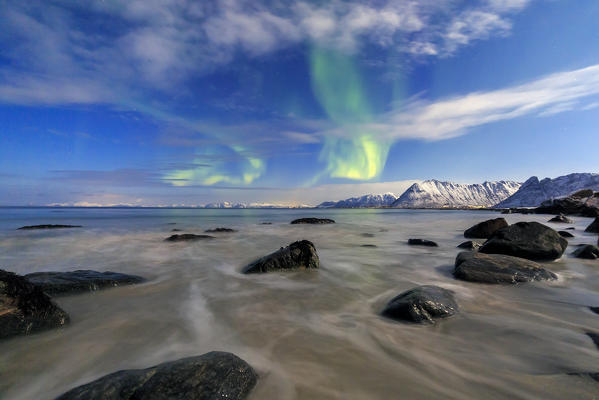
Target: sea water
{"x":309,"y":334}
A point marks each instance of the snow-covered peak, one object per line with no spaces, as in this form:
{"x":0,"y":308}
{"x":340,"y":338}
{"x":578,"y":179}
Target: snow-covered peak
{"x":368,"y":200}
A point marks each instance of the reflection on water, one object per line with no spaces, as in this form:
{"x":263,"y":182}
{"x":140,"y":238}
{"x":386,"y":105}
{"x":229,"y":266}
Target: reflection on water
{"x":310,"y":334}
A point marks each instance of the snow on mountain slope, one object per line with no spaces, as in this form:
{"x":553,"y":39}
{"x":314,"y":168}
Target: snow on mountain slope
{"x":533,"y":192}
{"x":368,"y":200}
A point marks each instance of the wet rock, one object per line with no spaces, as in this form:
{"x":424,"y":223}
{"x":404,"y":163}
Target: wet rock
{"x":587,"y":251}
{"x":187,"y":237}
{"x":470,"y":245}
{"x":301,"y":254}
{"x":565,"y":234}
{"x":562,"y":219}
{"x":593,"y":375}
{"x":211,"y":376}
{"x":61,"y":283}
{"x":584,"y":203}
{"x":571,"y":228}
{"x":529,"y":240}
{"x":594,"y":309}
{"x":220,"y":230}
{"x":423,"y":304}
{"x":368,"y":245}
{"x":25,"y":308}
{"x":48,"y":226}
{"x":485,"y":229}
{"x":594,"y":337}
{"x":422,"y":242}
{"x":498,"y":268}
{"x":175,"y":230}
{"x":265,"y":223}
{"x":594,"y":227}
{"x":313,"y":221}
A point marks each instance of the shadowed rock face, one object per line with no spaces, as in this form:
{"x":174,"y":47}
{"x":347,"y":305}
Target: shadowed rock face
{"x":497,"y":268}
{"x":529,"y":240}
{"x":62,"y":283}
{"x":313,"y":221}
{"x":25,"y":308}
{"x":485,"y":229}
{"x":212,"y":376}
{"x":422,"y":242}
{"x":588,"y":251}
{"x":594,"y":227}
{"x":184,"y":237}
{"x":423,"y":304}
{"x":31,"y":227}
{"x":301,"y":254}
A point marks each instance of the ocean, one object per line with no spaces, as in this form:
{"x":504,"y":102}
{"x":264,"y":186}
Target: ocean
{"x":313,"y":334}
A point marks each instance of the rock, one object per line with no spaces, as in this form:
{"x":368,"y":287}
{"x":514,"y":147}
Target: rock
{"x":593,"y":375}
{"x":60,"y":283}
{"x":175,"y":230}
{"x":584,"y":203}
{"x":186,"y":237}
{"x":594,"y":309}
{"x":469,"y":245}
{"x":265,"y":223}
{"x":220,"y":230}
{"x":498,"y":268}
{"x":562,"y":219}
{"x":422,"y":242}
{"x":594,"y":227}
{"x":565,"y":234}
{"x":423,"y":304}
{"x":25,"y":308}
{"x":313,"y":221}
{"x":485,"y":229}
{"x":571,"y":228}
{"x":594,"y":337}
{"x":508,"y":211}
{"x":211,"y":376}
{"x":31,"y":227}
{"x":368,"y":245}
{"x":529,"y":240}
{"x":587,"y":251}
{"x":368,"y":235}
{"x":301,"y":254}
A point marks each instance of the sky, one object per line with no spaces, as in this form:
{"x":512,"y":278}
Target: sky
{"x":181,"y":102}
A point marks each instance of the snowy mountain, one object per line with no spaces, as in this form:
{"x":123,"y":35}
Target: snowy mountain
{"x":434,"y":194}
{"x":533,"y":192}
{"x":226,"y":204}
{"x":368,"y":200}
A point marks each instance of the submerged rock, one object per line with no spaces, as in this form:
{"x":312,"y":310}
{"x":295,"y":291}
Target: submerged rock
{"x":48,"y":226}
{"x":422,"y":242}
{"x":313,"y":221}
{"x":59,"y":283}
{"x":470,"y":245}
{"x":368,"y":245}
{"x":187,"y":237}
{"x":565,"y":234}
{"x":562,"y":219}
{"x":220,"y":230}
{"x":175,"y":230}
{"x":498,"y":268}
{"x":423,"y":304}
{"x":25,"y":308}
{"x":529,"y":240}
{"x":485,"y":229}
{"x":301,"y":254}
{"x":211,"y":376}
{"x":587,"y":251}
{"x":594,"y":227}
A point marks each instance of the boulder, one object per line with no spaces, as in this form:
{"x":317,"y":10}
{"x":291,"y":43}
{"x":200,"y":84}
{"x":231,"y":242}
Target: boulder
{"x":62,"y":283}
{"x":25,"y":308}
{"x":561,"y":219}
{"x":422,"y":242}
{"x":485,"y":229}
{"x":422,"y":304}
{"x":212,"y":376}
{"x":313,"y":221}
{"x":584,"y":203}
{"x":297,"y":255}
{"x":565,"y":234}
{"x":187,"y":237}
{"x":594,"y":227}
{"x":48,"y":226}
{"x":498,"y":268}
{"x":470,"y":245}
{"x":529,"y":240}
{"x":587,"y":251}
{"x":220,"y":230}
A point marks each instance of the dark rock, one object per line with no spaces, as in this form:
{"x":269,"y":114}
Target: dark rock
{"x":265,"y":223}
{"x":186,"y":237}
{"x":368,"y":235}
{"x":469,"y":245}
{"x":313,"y":221}
{"x":301,"y":254}
{"x":220,"y":230}
{"x":368,"y":245}
{"x":594,"y":227}
{"x":571,"y":228}
{"x":175,"y":230}
{"x":593,"y":375}
{"x":508,"y":211}
{"x":529,"y":240}
{"x":565,"y":234}
{"x":211,"y":376}
{"x":594,"y":309}
{"x":587,"y":251}
{"x":422,"y":304}
{"x":25,"y":308}
{"x":498,"y":268}
{"x":60,"y":283}
{"x":583,"y":203}
{"x":31,"y":227}
{"x":594,"y":337}
{"x":422,"y":242}
{"x":562,"y":219}
{"x":485,"y":229}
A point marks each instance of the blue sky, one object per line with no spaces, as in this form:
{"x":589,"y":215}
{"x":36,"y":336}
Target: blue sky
{"x":160,"y":102}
